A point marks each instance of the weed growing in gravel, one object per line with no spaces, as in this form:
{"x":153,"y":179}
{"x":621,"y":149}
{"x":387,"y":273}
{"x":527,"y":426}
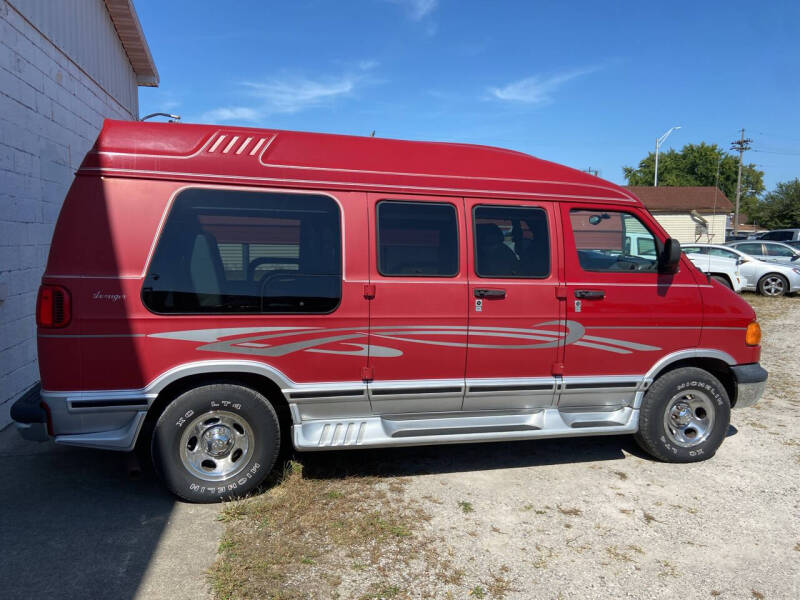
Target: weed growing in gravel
{"x":465,"y":506}
{"x":478,"y":592}
{"x":570,"y":512}
{"x":648,"y":518}
{"x":499,"y":585}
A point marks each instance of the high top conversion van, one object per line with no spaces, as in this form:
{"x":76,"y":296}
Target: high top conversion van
{"x":211,"y":288}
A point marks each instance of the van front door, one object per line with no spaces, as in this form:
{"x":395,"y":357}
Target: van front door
{"x":514,"y":332}
{"x":622,"y":314}
{"x":418,"y":315}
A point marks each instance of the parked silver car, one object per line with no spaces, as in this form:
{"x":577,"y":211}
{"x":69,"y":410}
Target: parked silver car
{"x":765,"y":277}
{"x":770,"y":251}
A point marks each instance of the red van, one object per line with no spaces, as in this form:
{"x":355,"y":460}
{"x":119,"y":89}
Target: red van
{"x":212,"y":288}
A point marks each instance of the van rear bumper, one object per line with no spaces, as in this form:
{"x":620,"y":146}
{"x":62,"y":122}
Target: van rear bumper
{"x":30,"y":417}
{"x":750,"y":383}
{"x":108,"y":420}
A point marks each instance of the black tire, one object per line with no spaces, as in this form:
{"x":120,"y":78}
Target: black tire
{"x":706,"y":401}
{"x":235,"y":418}
{"x":723,"y":280}
{"x":773,"y":284}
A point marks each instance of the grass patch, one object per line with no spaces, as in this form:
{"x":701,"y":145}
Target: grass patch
{"x":293,"y":540}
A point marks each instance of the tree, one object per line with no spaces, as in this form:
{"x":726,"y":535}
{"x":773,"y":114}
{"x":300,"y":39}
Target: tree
{"x":696,"y":164}
{"x":780,"y":209}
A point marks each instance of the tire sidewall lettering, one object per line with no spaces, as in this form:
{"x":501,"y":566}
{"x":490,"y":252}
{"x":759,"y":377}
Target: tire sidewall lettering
{"x":186,"y":408}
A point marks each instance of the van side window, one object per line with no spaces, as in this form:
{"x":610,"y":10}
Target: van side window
{"x":417,"y":239}
{"x":613,"y":241}
{"x":228,"y":251}
{"x":511,"y":241}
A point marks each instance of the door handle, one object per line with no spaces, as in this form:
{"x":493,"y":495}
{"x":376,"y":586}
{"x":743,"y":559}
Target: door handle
{"x":590,"y":294}
{"x":487,"y":293}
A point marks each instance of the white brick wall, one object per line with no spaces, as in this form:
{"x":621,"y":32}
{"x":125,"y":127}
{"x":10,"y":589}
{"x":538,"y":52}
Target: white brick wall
{"x":50,"y":114}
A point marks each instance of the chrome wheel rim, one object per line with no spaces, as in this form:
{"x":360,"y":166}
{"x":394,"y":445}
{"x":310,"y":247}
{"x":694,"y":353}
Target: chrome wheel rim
{"x":216,"y":445}
{"x":773,"y":286}
{"x":689,"y":418}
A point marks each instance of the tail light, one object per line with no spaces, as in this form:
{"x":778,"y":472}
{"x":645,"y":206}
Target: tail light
{"x":53,"y":307}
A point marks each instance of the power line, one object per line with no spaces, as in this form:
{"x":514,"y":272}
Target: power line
{"x":778,"y":153}
{"x":780,"y":137}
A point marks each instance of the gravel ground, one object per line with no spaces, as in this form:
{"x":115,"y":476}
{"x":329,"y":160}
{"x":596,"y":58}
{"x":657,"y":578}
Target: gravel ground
{"x":596,"y":518}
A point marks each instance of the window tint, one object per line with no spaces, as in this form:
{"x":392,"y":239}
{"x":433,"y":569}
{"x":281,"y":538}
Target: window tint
{"x":417,"y":239}
{"x":511,"y":242}
{"x":777,"y":235}
{"x":775,"y":250}
{"x":224,"y":251}
{"x":749,"y":248}
{"x":611,"y":241}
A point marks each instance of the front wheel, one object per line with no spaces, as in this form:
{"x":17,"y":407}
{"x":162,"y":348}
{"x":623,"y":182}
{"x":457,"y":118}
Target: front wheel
{"x":723,"y":280}
{"x":684,"y":416}
{"x":216,"y":442}
{"x":773,"y":285}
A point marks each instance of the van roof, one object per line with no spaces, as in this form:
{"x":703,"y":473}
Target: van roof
{"x":217,"y":153}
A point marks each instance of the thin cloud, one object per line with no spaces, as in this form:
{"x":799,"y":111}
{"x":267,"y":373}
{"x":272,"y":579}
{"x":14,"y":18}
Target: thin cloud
{"x":537,"y":90}
{"x":290,"y":94}
{"x":231,"y":113}
{"x":417,"y":9}
{"x":296,"y":94}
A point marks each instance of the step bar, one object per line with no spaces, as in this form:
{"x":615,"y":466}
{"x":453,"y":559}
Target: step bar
{"x":410,"y":430}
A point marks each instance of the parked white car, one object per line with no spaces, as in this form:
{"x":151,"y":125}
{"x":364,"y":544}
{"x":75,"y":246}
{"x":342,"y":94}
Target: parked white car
{"x":720,"y":268}
{"x":766,"y":278}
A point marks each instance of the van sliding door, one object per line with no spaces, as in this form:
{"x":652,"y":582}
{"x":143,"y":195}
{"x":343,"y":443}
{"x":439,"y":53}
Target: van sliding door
{"x":418,"y":316}
{"x":514,"y":331}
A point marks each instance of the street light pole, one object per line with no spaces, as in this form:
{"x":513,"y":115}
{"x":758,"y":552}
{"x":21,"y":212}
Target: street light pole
{"x":660,"y":141}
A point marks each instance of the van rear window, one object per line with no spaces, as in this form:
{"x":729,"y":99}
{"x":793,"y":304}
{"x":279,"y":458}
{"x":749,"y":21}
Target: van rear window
{"x":229,"y":251}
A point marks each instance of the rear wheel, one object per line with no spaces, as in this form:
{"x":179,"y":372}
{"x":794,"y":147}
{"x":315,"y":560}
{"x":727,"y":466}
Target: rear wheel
{"x":773,"y":284}
{"x":216,"y":442}
{"x":684,"y":416}
{"x":723,"y":280}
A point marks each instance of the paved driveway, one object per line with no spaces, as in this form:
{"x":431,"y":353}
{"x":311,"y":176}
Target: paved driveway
{"x":73,"y":524}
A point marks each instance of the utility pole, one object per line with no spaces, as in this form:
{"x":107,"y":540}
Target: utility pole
{"x":739,"y":146}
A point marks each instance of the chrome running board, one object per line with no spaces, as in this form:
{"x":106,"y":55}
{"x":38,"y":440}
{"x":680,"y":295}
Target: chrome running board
{"x":452,"y":428}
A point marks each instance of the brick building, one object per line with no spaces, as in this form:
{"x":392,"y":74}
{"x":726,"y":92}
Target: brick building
{"x":64,"y":67}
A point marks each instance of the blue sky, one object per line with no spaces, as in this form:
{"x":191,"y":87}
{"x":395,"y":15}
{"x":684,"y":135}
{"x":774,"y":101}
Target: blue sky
{"x":587,"y":84}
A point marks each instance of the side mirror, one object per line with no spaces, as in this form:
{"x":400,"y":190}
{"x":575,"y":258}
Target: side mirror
{"x":670,"y":256}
